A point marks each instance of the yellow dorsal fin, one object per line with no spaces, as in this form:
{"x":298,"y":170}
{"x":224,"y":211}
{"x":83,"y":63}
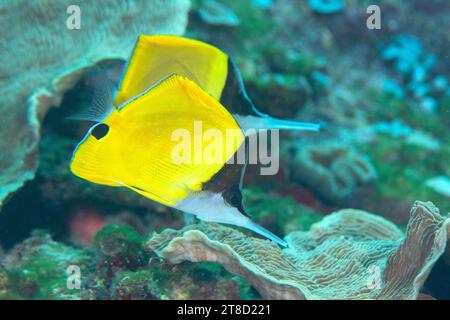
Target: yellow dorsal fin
{"x":156,"y":57}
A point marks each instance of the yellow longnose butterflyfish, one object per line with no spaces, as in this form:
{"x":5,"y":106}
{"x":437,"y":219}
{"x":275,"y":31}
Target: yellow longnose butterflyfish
{"x":157,"y":56}
{"x":132,"y":146}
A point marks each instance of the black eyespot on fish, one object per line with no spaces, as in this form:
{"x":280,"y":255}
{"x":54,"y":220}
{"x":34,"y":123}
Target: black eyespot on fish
{"x":100,"y":131}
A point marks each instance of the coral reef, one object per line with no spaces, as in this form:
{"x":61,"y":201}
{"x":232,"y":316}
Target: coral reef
{"x":116,"y":266}
{"x":281,"y":214}
{"x":216,"y":13}
{"x":440,"y":184}
{"x":265,"y":4}
{"x":36,"y":269}
{"x":52,"y":58}
{"x":326,"y":6}
{"x":383,"y":98}
{"x":416,"y":66}
{"x":332,"y":170}
{"x":404,"y":171}
{"x":447,"y":253}
{"x":404,"y":132}
{"x":350,"y":254}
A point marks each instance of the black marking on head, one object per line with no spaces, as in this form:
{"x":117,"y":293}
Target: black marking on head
{"x":100,"y":131}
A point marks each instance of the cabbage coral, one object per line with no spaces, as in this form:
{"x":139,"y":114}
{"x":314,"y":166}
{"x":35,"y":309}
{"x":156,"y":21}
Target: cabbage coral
{"x":350,"y":254}
{"x":41,"y":59}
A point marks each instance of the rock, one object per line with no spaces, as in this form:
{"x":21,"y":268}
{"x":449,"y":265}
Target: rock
{"x":36,"y":269}
{"x":121,"y":246}
{"x":216,"y":13}
{"x":332,"y":170}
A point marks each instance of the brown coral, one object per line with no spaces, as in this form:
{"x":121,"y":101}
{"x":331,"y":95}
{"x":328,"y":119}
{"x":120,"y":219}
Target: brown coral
{"x":350,"y":254}
{"x":332,"y":170}
{"x":41,"y":59}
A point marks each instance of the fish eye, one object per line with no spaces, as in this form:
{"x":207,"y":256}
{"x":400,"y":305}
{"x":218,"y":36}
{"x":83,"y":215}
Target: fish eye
{"x":100,"y":131}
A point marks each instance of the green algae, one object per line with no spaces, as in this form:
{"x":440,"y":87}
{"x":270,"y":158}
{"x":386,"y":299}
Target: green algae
{"x":253,"y":27}
{"x":193,"y":281}
{"x":184,"y":281}
{"x":254,"y":22}
{"x":403,"y":169}
{"x":279,"y":81}
{"x":121,"y":241}
{"x":281,"y":213}
{"x":42,"y":272}
{"x":116,"y":266}
{"x":128,"y":285}
{"x":389,"y":107}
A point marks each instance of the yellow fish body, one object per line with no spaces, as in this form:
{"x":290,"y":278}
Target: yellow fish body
{"x":133,"y":147}
{"x":136,"y":152}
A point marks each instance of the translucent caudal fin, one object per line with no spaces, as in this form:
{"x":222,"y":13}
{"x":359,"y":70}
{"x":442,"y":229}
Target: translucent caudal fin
{"x":264,"y":232}
{"x":267,"y":123}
